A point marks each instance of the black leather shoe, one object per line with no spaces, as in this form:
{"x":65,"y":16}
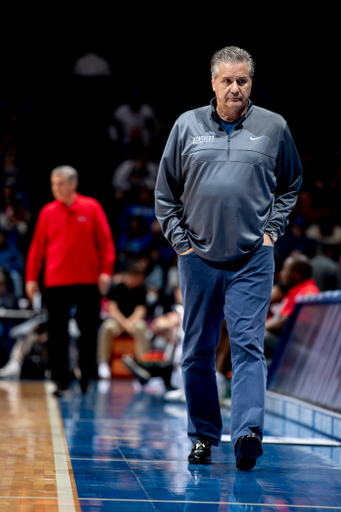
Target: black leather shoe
{"x":247,"y":449}
{"x":201,"y":452}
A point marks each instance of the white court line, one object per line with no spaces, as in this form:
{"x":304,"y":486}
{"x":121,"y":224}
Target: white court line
{"x":307,"y":441}
{"x":64,"y":488}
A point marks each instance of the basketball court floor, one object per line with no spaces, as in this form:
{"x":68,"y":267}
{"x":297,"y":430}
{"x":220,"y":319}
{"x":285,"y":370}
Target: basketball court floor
{"x":118,"y":449}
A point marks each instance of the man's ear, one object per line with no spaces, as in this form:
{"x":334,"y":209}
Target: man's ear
{"x":213,"y":83}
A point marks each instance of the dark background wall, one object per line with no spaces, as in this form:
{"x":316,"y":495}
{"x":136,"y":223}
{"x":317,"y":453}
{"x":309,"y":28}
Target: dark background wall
{"x":165,"y":53}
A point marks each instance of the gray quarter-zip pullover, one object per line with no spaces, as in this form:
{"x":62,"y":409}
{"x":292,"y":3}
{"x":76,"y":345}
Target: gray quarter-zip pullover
{"x":219,"y":193}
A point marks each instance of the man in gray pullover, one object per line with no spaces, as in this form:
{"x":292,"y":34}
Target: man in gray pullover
{"x":228,"y":180}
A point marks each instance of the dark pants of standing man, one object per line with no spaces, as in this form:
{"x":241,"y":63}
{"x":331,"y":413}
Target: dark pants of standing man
{"x":241,"y":291}
{"x":59,"y":301}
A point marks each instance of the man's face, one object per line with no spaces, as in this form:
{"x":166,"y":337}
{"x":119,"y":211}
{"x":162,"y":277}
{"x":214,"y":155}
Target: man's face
{"x":287,"y":275}
{"x":62,"y":188}
{"x":232,"y":87}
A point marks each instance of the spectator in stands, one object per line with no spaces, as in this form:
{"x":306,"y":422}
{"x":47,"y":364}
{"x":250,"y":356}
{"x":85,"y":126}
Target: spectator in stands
{"x":278,"y":289}
{"x":7,"y":301}
{"x":325,"y":230}
{"x":154,"y":283}
{"x":335,"y":193}
{"x":11,"y":175}
{"x":21,"y":349}
{"x":166,"y":251}
{"x":166,"y":363}
{"x":134,"y":173}
{"x":313,"y":201}
{"x":7,"y":296}
{"x":296,"y":275}
{"x":141,"y":206}
{"x":73,"y":239}
{"x":10,"y":256}
{"x":134,"y":121}
{"x":223,"y":360}
{"x":13,"y":215}
{"x":136,"y":238}
{"x":154,"y":279}
{"x":127,"y":311}
{"x":326,"y":271}
{"x":295,"y":239}
{"x":168,"y":366}
{"x":12,"y":260}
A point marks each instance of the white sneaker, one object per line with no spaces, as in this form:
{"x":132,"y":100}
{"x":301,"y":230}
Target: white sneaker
{"x":11,"y":370}
{"x":104,"y":371}
{"x":175,"y":395}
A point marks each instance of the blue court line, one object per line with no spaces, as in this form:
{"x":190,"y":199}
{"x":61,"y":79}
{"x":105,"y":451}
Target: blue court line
{"x":212,"y":503}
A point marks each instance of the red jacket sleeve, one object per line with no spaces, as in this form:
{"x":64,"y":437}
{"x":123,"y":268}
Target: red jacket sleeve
{"x":36,"y":254}
{"x":105,"y":243}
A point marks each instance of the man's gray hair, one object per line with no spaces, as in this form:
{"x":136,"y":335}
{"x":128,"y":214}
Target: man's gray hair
{"x":231,"y":54}
{"x":66,"y":170}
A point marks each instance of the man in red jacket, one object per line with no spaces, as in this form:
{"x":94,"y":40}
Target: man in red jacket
{"x":73,"y":241}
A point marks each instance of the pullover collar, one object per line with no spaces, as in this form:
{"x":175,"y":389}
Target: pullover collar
{"x":215,"y":116}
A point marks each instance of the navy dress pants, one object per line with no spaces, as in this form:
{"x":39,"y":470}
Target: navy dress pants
{"x":241,"y":292}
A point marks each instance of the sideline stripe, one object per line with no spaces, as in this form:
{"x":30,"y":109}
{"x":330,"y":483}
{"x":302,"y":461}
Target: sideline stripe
{"x":284,"y":505}
{"x":307,"y":441}
{"x":64,"y":488}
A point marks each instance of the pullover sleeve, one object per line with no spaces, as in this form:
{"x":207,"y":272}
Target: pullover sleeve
{"x":289,"y":179}
{"x":168,"y":192}
{"x":36,"y":254}
{"x":105,"y":243}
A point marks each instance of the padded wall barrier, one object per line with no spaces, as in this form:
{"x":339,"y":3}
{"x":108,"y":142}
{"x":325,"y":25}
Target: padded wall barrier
{"x":307,"y":362}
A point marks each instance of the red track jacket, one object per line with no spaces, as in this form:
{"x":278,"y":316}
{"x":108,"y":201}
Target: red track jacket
{"x":74,"y":242}
{"x":307,"y":287}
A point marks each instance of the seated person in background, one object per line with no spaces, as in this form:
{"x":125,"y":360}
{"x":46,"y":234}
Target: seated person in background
{"x":154,"y":281}
{"x":7,"y":301}
{"x":11,"y":257}
{"x":135,"y":239}
{"x":223,"y":360}
{"x":155,"y":363}
{"x":21,"y":349}
{"x":168,"y":366}
{"x":133,"y":175}
{"x":13,"y":215}
{"x":278,"y":288}
{"x":12,"y":261}
{"x":7,"y":296}
{"x":296,"y":277}
{"x":127,"y":312}
{"x":326,"y":270}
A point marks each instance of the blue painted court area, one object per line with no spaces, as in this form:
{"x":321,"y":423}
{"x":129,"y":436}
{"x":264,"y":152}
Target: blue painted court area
{"x":129,"y":453}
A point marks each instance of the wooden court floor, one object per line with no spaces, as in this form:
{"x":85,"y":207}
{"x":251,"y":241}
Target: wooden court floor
{"x":35,"y":469}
